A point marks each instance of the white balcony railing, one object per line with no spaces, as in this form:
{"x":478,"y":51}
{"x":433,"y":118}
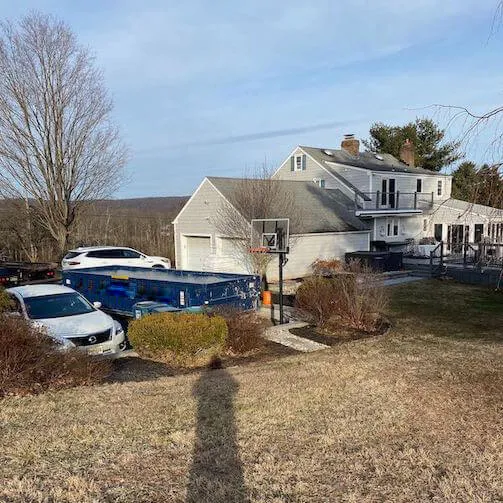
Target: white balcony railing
{"x":382,"y":201}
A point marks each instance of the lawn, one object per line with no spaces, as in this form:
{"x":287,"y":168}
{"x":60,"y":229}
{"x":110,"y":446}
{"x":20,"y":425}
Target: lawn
{"x":412,"y":416}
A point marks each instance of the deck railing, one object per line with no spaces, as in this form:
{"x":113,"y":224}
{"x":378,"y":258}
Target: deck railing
{"x":380,"y":201}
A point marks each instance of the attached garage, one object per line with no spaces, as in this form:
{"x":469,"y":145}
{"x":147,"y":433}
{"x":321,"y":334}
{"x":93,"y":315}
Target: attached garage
{"x":197,"y":252}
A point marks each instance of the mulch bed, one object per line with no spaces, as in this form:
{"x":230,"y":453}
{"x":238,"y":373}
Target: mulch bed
{"x":313,"y":333}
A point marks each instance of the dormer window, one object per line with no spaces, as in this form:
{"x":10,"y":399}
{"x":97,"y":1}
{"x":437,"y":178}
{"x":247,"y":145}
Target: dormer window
{"x":320,"y":182}
{"x":298,"y":162}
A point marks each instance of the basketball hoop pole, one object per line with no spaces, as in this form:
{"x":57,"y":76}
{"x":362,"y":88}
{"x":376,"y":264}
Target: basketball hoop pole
{"x":281,"y":262}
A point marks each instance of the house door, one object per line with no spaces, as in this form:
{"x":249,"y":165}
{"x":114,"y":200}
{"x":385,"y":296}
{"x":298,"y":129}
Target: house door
{"x":388,"y":198}
{"x":456,"y":236}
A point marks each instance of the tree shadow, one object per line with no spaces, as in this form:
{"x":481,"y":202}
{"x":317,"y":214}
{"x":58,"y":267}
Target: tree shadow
{"x":216,"y":474}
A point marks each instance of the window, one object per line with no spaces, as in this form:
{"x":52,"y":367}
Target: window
{"x":298,"y":163}
{"x":109,"y":253}
{"x":439,"y":187}
{"x":320,"y":182}
{"x":479,"y":231}
{"x":425,"y":224}
{"x":419,"y":185}
{"x":438,"y":232}
{"x":392,"y":227}
{"x":57,"y":306}
{"x":130,"y":254}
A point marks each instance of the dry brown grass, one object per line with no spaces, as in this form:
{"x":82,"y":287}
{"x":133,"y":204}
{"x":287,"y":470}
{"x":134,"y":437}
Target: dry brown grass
{"x":415,"y":416}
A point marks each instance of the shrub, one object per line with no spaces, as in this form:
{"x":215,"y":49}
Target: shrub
{"x":5,"y":301}
{"x":182,"y":335}
{"x":355,"y":298}
{"x":316,"y":298}
{"x":31,"y":362}
{"x":244,"y":328}
{"x":327,"y":267}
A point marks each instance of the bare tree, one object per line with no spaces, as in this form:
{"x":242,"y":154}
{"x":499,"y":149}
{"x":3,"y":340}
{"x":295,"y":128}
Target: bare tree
{"x":58,"y":145}
{"x":256,"y":195}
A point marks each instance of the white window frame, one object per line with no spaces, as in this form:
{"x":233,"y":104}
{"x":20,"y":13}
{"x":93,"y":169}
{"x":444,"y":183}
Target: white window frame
{"x":390,"y":225}
{"x":297,"y":162}
{"x":440,"y":187}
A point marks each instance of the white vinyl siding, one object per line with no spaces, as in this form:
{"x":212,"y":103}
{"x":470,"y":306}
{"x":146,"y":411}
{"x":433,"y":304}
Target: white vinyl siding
{"x":309,"y":247}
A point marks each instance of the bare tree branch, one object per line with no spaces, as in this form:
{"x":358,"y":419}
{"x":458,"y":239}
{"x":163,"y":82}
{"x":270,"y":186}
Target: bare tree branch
{"x":58,"y":145}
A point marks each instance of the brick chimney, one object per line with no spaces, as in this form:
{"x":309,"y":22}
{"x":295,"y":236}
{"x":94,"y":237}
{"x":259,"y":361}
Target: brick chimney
{"x":407,"y":153}
{"x":351,"y":145}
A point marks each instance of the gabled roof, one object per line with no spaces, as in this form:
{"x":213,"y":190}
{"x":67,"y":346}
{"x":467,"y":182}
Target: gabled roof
{"x":365,"y":160}
{"x":316,"y":210}
{"x":480,"y":209}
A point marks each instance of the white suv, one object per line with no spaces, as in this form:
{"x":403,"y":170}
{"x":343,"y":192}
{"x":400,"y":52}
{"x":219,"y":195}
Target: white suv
{"x":99,"y":256}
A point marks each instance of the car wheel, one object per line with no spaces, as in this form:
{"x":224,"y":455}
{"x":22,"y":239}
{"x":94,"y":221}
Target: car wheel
{"x":158,"y":266}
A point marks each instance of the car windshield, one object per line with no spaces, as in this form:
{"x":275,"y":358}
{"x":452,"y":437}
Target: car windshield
{"x":56,"y":306}
{"x":71,"y":255}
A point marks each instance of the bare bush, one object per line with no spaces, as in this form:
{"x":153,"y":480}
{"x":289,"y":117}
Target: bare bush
{"x":30,"y":361}
{"x":354,"y":297}
{"x":316,"y":299}
{"x":327,"y":267}
{"x":245,"y":329}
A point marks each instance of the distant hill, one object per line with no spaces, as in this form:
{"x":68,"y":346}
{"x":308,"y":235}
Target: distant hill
{"x":148,"y":205}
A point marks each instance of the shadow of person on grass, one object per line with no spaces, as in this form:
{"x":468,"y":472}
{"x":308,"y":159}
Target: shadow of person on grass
{"x":216,"y":474}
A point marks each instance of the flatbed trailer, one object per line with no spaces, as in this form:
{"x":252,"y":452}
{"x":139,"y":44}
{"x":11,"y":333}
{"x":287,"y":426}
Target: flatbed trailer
{"x":121,"y":289}
{"x":19,"y":273}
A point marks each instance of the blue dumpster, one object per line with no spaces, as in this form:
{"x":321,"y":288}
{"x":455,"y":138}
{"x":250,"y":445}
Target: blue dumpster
{"x":120,"y":288}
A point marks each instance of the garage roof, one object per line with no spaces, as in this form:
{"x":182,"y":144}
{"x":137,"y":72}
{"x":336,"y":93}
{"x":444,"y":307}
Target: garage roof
{"x":315,"y":210}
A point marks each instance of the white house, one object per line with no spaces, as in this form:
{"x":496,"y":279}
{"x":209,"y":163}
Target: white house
{"x":349,"y":201}
{"x":400,"y":202}
{"x":323,"y":228}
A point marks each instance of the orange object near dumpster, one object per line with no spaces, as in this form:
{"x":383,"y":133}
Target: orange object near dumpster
{"x":267,"y":298}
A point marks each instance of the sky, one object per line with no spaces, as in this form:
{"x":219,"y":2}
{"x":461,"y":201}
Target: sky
{"x":219,"y":88}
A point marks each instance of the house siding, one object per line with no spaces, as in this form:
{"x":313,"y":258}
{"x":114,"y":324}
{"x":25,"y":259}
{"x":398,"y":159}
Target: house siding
{"x":313,"y":170}
{"x":407,"y":184}
{"x":198,"y":218}
{"x":358,"y":177}
{"x":309,"y":247}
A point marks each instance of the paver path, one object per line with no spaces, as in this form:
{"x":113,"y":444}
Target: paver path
{"x":281,"y":334}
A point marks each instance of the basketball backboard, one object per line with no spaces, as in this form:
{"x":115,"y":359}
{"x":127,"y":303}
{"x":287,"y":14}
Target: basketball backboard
{"x":270,"y":235}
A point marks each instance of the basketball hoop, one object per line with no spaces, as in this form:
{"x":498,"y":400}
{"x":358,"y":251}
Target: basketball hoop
{"x":259,"y":249}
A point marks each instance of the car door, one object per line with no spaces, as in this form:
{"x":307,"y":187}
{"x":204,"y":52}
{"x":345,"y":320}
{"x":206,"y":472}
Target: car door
{"x":133,"y":258}
{"x":99,"y":258}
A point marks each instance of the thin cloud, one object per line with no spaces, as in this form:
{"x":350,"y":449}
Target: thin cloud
{"x":268,"y":134}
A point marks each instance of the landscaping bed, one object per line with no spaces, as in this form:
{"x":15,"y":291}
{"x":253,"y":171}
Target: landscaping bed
{"x":340,"y":336}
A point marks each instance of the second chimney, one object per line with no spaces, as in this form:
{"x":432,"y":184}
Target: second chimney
{"x":407,"y":153}
{"x":351,"y":145}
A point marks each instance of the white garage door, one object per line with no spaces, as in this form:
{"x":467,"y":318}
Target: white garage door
{"x":198,"y":251}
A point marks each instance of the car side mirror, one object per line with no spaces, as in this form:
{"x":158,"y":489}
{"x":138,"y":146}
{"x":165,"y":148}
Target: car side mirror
{"x":97,"y":305}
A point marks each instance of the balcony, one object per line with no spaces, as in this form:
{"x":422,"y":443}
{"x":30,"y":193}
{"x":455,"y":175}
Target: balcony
{"x":392,"y":203}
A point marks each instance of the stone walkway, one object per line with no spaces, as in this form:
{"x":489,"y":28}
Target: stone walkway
{"x":281,"y":335}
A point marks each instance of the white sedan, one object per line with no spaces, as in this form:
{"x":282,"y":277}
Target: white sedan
{"x":99,"y":256}
{"x":69,"y":318}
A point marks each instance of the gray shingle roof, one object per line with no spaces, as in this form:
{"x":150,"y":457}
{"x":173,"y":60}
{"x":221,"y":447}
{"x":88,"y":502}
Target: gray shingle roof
{"x":316,"y":210}
{"x":487,"y":211}
{"x":365,"y":160}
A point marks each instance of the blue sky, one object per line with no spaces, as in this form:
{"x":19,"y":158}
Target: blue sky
{"x":215,"y":88}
